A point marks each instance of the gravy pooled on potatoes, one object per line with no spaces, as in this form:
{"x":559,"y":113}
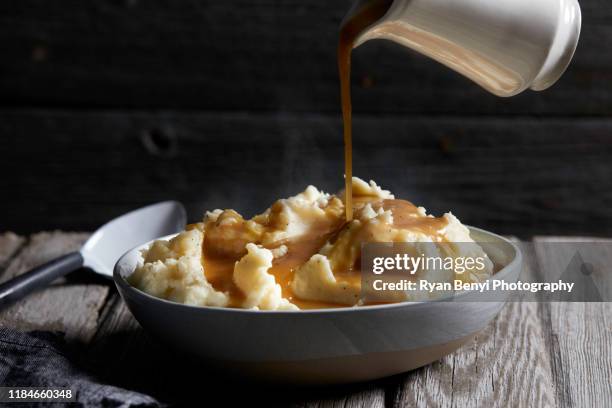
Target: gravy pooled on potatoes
{"x":300,"y":253}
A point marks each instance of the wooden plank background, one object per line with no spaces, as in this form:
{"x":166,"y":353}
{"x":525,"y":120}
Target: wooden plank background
{"x":532,"y":354}
{"x":241,"y":55}
{"x":106,"y":105}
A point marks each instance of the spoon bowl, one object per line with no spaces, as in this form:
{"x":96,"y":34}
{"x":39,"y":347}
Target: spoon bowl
{"x":102,"y":249}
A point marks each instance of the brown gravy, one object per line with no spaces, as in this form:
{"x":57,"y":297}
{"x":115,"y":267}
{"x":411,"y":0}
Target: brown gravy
{"x":406,"y":216}
{"x":368,"y":13}
{"x":219,"y":265}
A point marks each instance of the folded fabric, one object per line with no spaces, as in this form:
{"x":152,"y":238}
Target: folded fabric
{"x":43,"y":359}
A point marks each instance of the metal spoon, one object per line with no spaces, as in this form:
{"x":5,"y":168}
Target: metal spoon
{"x":103,"y":248}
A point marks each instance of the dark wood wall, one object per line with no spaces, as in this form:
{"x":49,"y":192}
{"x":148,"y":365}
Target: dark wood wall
{"x":106,"y":105}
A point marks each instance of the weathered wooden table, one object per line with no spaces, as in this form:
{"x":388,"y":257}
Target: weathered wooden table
{"x":533,"y":354}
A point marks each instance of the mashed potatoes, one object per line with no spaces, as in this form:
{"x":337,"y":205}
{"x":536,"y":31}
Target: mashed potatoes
{"x":300,"y":253}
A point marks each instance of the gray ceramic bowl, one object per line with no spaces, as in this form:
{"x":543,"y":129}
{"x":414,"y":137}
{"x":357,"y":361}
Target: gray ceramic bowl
{"x":321,"y":346}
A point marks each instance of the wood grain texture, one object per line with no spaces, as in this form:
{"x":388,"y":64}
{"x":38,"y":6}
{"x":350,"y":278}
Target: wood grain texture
{"x":579,"y":334}
{"x":532,"y":354}
{"x":122,"y":350}
{"x":517,"y":176}
{"x":240,"y":55}
{"x":117,"y":103}
{"x":350,"y":396}
{"x":505,"y":360}
{"x":67,"y":305}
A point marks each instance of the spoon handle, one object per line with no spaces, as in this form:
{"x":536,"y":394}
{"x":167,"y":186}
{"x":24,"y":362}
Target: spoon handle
{"x":38,"y":277}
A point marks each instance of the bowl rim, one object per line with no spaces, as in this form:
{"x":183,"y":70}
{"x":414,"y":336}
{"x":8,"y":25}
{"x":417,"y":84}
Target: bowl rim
{"x":123,"y":285}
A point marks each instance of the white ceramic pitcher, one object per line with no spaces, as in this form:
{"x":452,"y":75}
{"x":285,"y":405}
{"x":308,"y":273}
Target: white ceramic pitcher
{"x":505,"y":46}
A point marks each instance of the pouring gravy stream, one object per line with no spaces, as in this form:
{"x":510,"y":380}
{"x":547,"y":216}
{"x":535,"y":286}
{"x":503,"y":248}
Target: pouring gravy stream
{"x":219,"y":265}
{"x":352,"y":27}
